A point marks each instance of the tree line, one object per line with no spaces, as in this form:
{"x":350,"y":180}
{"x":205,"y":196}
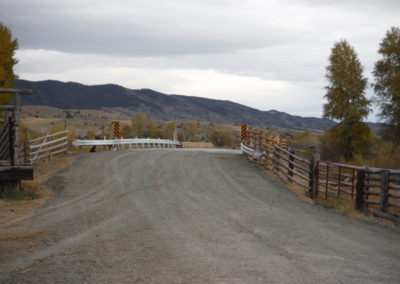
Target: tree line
{"x":347,"y":102}
{"x":142,"y":126}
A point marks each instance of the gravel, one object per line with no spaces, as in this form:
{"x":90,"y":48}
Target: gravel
{"x":173,"y":216}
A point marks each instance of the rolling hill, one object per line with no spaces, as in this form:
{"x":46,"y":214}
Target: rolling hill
{"x":71,"y":95}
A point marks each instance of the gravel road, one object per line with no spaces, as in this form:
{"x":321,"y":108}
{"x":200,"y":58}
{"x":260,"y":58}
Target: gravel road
{"x":187,"y":216}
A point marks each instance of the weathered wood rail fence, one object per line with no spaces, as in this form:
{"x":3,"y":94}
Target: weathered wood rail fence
{"x":294,"y":168}
{"x":11,"y":170}
{"x":372,"y":190}
{"x":6,"y":134}
{"x":47,"y":146}
{"x":378,"y":191}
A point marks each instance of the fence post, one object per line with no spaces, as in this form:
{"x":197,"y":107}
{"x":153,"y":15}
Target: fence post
{"x":27,"y":147}
{"x":291,"y":166}
{"x":15,"y":127}
{"x":360,"y":190}
{"x":66,"y":135}
{"x":314,"y":175}
{"x":275,"y":160}
{"x":384,"y":191}
{"x":12,"y":142}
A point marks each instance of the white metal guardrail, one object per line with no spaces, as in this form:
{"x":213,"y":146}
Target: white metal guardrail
{"x":255,"y":153}
{"x":160,"y":143}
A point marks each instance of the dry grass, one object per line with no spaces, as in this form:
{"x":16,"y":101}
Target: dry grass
{"x":41,"y":122}
{"x":197,"y":145}
{"x":13,"y":214}
{"x":343,"y":204}
{"x":15,"y":235}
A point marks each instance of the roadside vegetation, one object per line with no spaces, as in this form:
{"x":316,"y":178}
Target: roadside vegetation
{"x":27,"y":191}
{"x":351,"y":140}
{"x":96,"y":124}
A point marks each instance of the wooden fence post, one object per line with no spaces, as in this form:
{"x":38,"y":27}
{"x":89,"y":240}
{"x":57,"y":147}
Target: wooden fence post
{"x":16,"y":127}
{"x":314,"y":175}
{"x":66,"y":134}
{"x":275,"y":161}
{"x":27,"y":147}
{"x":12,"y":142}
{"x":291,"y":166}
{"x":360,"y":190}
{"x":384,"y":191}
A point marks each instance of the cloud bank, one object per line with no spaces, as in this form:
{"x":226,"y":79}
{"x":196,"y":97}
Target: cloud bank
{"x":264,"y":54}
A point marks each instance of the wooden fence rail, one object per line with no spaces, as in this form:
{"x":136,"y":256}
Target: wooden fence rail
{"x":48,"y":145}
{"x":371,"y":189}
{"x":295,"y":169}
{"x":379,"y":193}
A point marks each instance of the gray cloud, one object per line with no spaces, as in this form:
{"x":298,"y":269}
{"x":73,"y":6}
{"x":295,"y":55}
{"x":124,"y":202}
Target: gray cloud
{"x":138,"y":30}
{"x":275,"y":41}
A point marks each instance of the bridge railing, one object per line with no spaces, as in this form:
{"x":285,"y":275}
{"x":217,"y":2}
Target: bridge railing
{"x":133,"y":142}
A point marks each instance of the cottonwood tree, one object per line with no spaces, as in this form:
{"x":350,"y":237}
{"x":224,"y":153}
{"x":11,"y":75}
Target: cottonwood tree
{"x":387,"y":83}
{"x":346,"y":102}
{"x":168,"y":132}
{"x":191,"y":129}
{"x":139,"y":124}
{"x":8,"y":46}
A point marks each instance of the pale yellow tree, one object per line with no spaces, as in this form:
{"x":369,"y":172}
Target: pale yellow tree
{"x":8,"y":46}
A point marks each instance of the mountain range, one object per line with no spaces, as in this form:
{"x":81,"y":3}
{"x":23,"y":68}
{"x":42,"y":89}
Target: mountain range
{"x":71,"y":95}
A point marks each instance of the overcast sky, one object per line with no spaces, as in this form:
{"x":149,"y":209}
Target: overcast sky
{"x":264,"y":54}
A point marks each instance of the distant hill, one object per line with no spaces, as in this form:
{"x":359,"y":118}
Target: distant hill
{"x":160,"y":106}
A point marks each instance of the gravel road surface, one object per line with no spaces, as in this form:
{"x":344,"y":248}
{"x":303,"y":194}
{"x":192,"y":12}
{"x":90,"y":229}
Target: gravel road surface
{"x":190,"y":216}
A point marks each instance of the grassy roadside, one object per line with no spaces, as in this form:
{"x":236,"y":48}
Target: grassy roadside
{"x":343,"y":205}
{"x":19,"y":206}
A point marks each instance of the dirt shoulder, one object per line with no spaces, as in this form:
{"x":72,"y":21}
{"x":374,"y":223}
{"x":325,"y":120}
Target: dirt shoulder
{"x":14,"y":214}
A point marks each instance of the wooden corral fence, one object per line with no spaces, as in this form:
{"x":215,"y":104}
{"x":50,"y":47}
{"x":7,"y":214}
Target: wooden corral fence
{"x":7,"y":134}
{"x":372,"y":190}
{"x":11,"y":170}
{"x":378,"y":191}
{"x":294,"y":168}
{"x":47,"y":146}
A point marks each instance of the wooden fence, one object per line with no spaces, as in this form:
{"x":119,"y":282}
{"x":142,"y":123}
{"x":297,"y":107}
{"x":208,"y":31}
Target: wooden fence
{"x":5,"y":137}
{"x":371,"y":189}
{"x":8,"y":135}
{"x":47,"y":146}
{"x":378,"y":191}
{"x":11,"y":170}
{"x":291,"y":167}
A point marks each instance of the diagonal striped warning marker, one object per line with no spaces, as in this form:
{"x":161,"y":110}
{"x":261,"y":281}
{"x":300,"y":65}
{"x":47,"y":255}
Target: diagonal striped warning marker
{"x":117,"y":131}
{"x":243,"y":132}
